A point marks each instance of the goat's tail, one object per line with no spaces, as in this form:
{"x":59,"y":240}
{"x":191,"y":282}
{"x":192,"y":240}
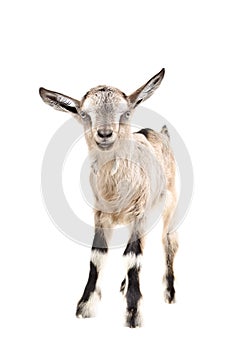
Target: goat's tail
{"x":165,"y":131}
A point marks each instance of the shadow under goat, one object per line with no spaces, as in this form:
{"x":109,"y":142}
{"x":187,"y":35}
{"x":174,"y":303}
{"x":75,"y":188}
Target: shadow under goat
{"x":144,"y":163}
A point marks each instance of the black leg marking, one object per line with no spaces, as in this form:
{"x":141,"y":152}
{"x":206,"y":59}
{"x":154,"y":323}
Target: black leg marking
{"x":133,"y":296}
{"x":170,"y":290}
{"x":99,"y":242}
{"x":92,"y":293}
{"x":133,"y":247}
{"x":92,"y":279}
{"x":89,"y":289}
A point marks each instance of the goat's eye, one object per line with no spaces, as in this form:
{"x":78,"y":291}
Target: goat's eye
{"x":125,"y":116}
{"x":83,"y":114}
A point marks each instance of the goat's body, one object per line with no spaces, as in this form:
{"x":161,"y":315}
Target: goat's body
{"x":143,"y":165}
{"x":130,"y":174}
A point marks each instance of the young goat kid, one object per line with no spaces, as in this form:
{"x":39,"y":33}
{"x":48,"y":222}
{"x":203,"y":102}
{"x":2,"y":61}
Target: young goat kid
{"x":130,"y":173}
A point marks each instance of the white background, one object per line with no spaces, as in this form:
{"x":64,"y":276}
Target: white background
{"x":69,"y":47}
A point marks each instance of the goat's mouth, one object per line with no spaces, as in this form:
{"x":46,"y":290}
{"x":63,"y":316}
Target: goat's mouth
{"x":105,"y":145}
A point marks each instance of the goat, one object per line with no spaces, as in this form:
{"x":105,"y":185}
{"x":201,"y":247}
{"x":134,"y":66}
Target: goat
{"x":144,"y":163}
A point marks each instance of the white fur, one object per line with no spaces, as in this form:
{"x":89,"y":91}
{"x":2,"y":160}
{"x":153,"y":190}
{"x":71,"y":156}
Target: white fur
{"x":132,"y":260}
{"x":88,"y":308}
{"x":98,"y":259}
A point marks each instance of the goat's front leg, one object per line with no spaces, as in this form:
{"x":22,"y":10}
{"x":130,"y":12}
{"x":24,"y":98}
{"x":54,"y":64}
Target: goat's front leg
{"x":86,"y":306}
{"x":130,"y":285}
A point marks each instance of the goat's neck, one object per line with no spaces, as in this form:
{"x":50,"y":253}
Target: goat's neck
{"x":124,"y":149}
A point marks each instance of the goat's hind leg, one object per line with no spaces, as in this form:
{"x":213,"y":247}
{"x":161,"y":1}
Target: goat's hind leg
{"x":170,"y":246}
{"x":170,"y":243}
{"x":86,"y":306}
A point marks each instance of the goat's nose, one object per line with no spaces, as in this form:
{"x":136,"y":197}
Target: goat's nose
{"x":104,"y":133}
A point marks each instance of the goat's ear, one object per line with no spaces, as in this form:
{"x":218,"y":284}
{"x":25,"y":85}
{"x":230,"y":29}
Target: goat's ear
{"x":145,"y":91}
{"x":59,"y":101}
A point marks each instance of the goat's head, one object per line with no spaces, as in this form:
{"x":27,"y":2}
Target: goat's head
{"x":104,"y":111}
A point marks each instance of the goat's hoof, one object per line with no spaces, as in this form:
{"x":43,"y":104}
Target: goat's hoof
{"x":87,"y":308}
{"x":83,"y":310}
{"x":133,"y":318}
{"x":169,"y":295}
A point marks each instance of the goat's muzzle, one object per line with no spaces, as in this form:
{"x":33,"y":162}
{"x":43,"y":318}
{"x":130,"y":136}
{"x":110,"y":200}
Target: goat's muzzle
{"x":105,"y":138}
{"x":104,"y":133}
